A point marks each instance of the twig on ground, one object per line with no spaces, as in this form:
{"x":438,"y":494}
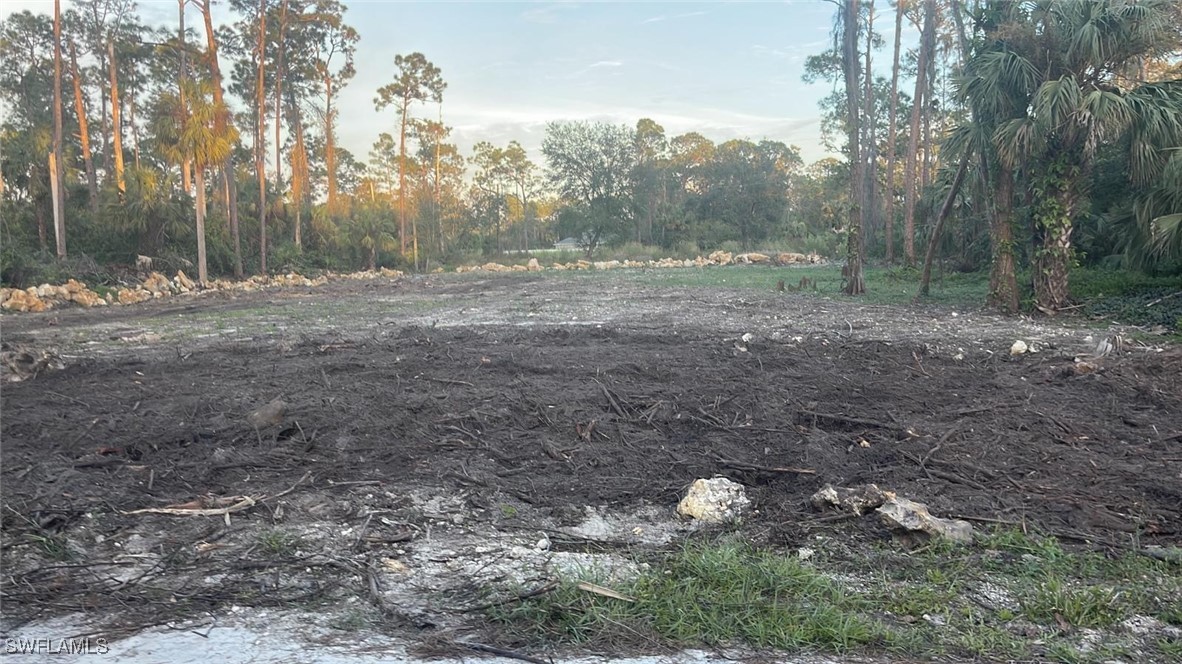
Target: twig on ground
{"x":549,"y":587}
{"x":493,"y":650}
{"x":586,"y":586}
{"x":743,"y":465}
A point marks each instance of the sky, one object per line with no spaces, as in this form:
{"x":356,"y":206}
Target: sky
{"x":723,"y":69}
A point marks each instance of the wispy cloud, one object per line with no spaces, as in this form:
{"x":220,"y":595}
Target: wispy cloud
{"x":760,"y":49}
{"x":548,"y":13}
{"x":663,"y":17}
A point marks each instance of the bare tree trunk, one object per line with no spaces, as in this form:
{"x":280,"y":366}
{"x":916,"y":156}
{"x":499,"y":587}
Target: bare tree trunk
{"x":56,"y":167}
{"x":279,"y":73}
{"x":893,"y":138}
{"x":925,"y":178}
{"x":402,"y":177}
{"x":299,"y":176}
{"x":910,"y":173}
{"x":260,"y":148}
{"x":870,"y":208}
{"x":945,"y":209}
{"x":202,"y":271}
{"x":116,"y":120}
{"x":55,"y":190}
{"x":135,"y":130}
{"x":183,"y":75}
{"x":853,"y":268}
{"x":84,"y":133}
{"x":220,"y":125}
{"x":39,"y":213}
{"x":330,"y":149}
{"x":438,"y":142}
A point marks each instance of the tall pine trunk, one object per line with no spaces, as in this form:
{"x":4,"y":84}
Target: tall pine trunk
{"x":330,"y":149}
{"x":892,"y":137}
{"x":202,"y":271}
{"x":870,"y":209}
{"x":260,"y":151}
{"x":220,"y":125}
{"x":849,"y":60}
{"x":84,"y":133}
{"x":182,"y":76}
{"x":57,"y":168}
{"x":910,"y":173}
{"x":116,"y":120}
{"x":402,"y":177}
{"x":279,"y":74}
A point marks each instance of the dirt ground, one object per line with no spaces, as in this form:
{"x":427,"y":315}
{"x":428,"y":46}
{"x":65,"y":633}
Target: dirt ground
{"x":447,"y":435}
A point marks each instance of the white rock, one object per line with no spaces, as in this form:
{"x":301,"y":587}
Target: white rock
{"x":1019,"y":347}
{"x":910,"y":516}
{"x":716,"y":500}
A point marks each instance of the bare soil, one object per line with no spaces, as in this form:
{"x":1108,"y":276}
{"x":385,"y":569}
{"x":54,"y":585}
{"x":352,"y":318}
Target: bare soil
{"x":437,"y":428}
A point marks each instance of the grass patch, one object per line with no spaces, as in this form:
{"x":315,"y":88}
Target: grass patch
{"x":707,"y":594}
{"x":975,"y":602}
{"x":1079,"y":606}
{"x":277,"y":543}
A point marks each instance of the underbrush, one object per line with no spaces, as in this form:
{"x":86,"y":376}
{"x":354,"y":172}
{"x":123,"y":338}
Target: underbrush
{"x":1129,"y":297}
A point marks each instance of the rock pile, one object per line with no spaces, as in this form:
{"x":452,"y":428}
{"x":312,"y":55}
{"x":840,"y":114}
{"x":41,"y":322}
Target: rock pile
{"x":36,"y":299}
{"x":717,"y":258}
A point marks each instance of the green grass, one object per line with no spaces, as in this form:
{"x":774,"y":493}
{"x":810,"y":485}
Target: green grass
{"x":1123,"y":297}
{"x":919,"y":604}
{"x":706,"y":594}
{"x":277,"y":543}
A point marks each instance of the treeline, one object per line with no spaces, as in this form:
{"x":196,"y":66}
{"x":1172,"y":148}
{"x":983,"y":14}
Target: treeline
{"x":1019,"y":136}
{"x":125,"y":139}
{"x":1037,"y":134}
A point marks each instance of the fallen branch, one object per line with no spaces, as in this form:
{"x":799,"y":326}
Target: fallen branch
{"x":229,"y":504}
{"x":611,"y":399}
{"x":743,"y":465}
{"x":241,"y":503}
{"x":549,"y":587}
{"x":501,"y":652}
{"x":851,"y":420}
{"x":1164,"y":297}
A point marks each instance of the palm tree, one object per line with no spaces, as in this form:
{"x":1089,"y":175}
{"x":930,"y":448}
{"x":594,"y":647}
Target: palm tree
{"x":207,"y":142}
{"x":1054,"y":69}
{"x":372,"y":227}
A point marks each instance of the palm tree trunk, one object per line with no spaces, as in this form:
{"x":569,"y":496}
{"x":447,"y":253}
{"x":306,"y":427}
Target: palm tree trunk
{"x":1003,"y":281}
{"x":1052,"y":260}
